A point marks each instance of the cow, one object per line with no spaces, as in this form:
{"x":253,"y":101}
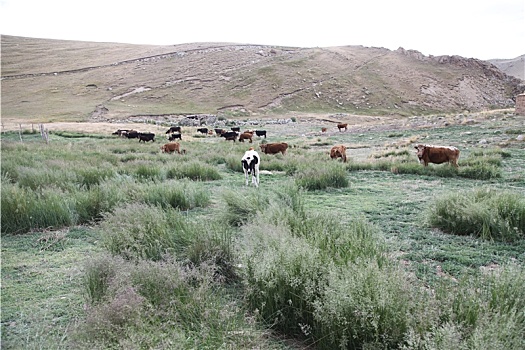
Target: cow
{"x":230,"y":135}
{"x":203,"y":130}
{"x":323,"y":129}
{"x":174,"y":129}
{"x":245,"y":136}
{"x":342,"y":126}
{"x":338,"y":151}
{"x":236,"y":128}
{"x":146,"y":136}
{"x":218,"y":132}
{"x":250,"y":165}
{"x":121,"y":132}
{"x":260,"y":133}
{"x":437,"y":154}
{"x":132,"y":134}
{"x":175,"y":136}
{"x":274,"y":148}
{"x":172,"y":147}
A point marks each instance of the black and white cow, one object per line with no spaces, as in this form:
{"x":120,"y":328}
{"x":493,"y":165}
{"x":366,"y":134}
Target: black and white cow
{"x":250,"y":164}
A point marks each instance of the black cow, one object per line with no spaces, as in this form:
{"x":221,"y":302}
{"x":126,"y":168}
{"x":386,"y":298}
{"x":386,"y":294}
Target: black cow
{"x":121,"y":132}
{"x":175,"y":136}
{"x":203,"y":130}
{"x":219,"y":131}
{"x":132,"y":134}
{"x":174,"y":129}
{"x":230,"y":135}
{"x":236,"y":128}
{"x":146,"y":136}
{"x":260,"y":133}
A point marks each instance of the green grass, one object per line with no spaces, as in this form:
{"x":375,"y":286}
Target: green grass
{"x":109,"y":244}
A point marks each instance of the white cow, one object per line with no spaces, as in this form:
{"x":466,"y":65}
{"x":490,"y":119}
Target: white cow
{"x":250,"y":164}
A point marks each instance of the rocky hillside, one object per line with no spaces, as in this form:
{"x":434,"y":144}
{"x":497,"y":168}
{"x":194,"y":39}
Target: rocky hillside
{"x":56,"y":80}
{"x":514,"y":67}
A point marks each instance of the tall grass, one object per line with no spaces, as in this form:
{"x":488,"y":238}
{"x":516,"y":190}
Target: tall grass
{"x":484,"y":213}
{"x":320,"y":178}
{"x":195,"y":171}
{"x":24,"y":210}
{"x":141,"y":231}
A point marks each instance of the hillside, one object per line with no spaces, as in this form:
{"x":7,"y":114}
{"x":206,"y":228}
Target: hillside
{"x":51,"y":80}
{"x":514,"y":67}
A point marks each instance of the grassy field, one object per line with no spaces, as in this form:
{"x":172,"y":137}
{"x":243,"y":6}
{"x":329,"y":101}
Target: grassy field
{"x":107,"y":243}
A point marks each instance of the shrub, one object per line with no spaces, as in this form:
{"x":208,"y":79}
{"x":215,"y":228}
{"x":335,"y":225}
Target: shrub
{"x":484,"y":213}
{"x":140,"y":231}
{"x":365,"y":306}
{"x":195,"y":171}
{"x":24,"y":210}
{"x":321,"y":178}
{"x":182,"y":195}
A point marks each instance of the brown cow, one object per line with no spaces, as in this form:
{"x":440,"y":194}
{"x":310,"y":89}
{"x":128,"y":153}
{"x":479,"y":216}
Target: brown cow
{"x":245,"y":136}
{"x":338,"y":151}
{"x":342,"y":126}
{"x":274,"y":148}
{"x":437,"y":154}
{"x":323,"y":129}
{"x":172,"y":147}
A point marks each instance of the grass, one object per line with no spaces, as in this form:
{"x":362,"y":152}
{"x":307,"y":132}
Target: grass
{"x":108,"y":244}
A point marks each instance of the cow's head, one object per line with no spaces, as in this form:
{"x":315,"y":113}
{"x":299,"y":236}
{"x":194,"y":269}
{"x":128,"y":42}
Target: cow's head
{"x":420,"y":150}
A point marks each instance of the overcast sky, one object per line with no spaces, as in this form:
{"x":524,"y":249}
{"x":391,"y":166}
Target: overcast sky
{"x":483,"y":29}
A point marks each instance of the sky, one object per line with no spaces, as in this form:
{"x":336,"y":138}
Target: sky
{"x":483,"y":29}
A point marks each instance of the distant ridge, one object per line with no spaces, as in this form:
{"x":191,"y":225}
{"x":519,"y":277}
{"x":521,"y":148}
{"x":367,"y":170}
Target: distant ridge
{"x":514,"y":67}
{"x":69,"y":79}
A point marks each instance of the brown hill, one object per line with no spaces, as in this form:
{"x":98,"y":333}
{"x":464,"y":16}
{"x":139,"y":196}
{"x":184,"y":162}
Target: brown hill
{"x":50,"y":80}
{"x":514,"y":67}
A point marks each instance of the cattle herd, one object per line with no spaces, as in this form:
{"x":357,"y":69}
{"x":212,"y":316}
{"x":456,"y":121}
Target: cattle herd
{"x":251,"y":159}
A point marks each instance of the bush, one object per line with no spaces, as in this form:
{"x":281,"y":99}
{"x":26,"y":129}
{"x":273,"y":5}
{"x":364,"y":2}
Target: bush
{"x":320,"y":178}
{"x":140,"y":231}
{"x":484,"y":213}
{"x":197,"y":171}
{"x":24,"y":210}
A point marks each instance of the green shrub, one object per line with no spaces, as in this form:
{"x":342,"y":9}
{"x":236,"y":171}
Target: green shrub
{"x":148,"y":171}
{"x":24,"y":210}
{"x":182,"y":195}
{"x":195,"y":170}
{"x":365,"y":306}
{"x":485,"y":213}
{"x":140,"y":231}
{"x":320,"y":178}
{"x":238,"y":209}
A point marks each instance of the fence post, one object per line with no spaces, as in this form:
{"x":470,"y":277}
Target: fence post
{"x":20,"y":132}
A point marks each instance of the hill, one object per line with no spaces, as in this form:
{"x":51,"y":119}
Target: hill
{"x":514,"y":67}
{"x":50,"y":80}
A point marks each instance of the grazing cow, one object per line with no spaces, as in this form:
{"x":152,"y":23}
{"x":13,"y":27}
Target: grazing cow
{"x":132,"y":134}
{"x":121,"y":132}
{"x":236,"y":128}
{"x":323,"y":129}
{"x":250,"y":164}
{"x":219,"y":132}
{"x":174,"y":129}
{"x":175,"y":136}
{"x":260,"y":133}
{"x":274,"y":148}
{"x":172,"y":147}
{"x":437,"y":154}
{"x":203,"y":130}
{"x":338,"y":151}
{"x":230,"y":135}
{"x":245,"y":136}
{"x":146,"y":136}
{"x":342,"y":126}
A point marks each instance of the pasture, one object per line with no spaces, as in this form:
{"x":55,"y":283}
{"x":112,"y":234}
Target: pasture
{"x":109,"y":243}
